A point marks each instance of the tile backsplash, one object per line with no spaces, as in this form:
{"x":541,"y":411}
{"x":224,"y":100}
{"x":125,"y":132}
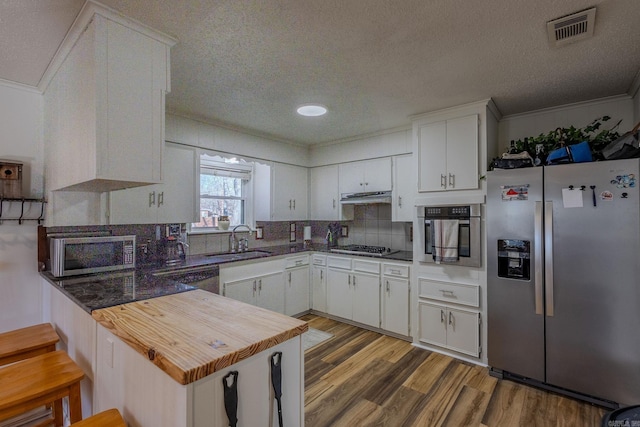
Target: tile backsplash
{"x":371,"y":226}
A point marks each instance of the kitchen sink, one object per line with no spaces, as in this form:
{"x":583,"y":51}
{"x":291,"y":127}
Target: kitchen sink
{"x":238,"y":256}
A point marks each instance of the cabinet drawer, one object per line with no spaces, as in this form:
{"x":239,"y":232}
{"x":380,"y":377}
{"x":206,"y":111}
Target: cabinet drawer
{"x":457,"y":293}
{"x":319,"y":260}
{"x":297,"y":261}
{"x":339,"y":262}
{"x":366,"y":266}
{"x":397,"y":270}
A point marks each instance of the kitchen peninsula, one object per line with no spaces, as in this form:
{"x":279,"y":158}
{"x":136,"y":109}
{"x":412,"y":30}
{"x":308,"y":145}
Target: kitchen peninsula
{"x":161,"y":361}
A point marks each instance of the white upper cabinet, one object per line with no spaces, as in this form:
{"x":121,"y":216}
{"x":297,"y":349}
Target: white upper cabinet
{"x":324,"y":197}
{"x":404,"y":188}
{"x":289,"y":192}
{"x":448,"y":153}
{"x":104,"y":106}
{"x":365,"y":176}
{"x":171,"y":202}
{"x":453,"y":147}
{"x":280,"y":192}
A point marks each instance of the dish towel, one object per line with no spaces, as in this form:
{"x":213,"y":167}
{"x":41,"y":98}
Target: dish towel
{"x":445,"y":240}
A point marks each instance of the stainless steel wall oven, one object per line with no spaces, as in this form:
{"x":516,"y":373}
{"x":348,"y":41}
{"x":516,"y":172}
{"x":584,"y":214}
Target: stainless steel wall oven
{"x":469,"y":221}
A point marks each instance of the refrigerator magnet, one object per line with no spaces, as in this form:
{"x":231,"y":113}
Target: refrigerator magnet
{"x":607,"y":196}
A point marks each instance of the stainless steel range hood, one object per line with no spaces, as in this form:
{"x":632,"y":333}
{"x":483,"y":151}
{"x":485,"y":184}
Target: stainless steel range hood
{"x":366,"y":198}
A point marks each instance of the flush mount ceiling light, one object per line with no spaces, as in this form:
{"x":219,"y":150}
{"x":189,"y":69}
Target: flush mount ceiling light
{"x":312,"y":110}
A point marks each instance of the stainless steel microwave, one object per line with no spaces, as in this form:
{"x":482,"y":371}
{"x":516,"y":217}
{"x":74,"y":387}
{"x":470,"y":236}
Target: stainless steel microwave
{"x":469,"y":232}
{"x":84,"y":255}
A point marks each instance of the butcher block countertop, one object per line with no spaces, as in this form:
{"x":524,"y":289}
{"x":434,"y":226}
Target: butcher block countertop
{"x":193,"y":334}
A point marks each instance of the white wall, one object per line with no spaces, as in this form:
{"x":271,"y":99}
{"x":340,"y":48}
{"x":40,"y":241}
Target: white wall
{"x":21,"y":140}
{"x":534,"y":123}
{"x":198,"y":134}
{"x":385,"y":144}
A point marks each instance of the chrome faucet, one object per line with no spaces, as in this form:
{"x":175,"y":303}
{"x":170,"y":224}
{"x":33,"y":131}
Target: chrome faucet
{"x":183,"y":252}
{"x":243,"y":244}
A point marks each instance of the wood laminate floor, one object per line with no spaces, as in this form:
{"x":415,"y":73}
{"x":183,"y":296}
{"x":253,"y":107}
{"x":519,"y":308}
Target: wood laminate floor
{"x":362,"y":378}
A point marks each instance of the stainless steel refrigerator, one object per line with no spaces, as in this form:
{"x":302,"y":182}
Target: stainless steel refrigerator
{"x":563,"y":286}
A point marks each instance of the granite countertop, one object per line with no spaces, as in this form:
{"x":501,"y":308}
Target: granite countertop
{"x":269,"y":251}
{"x":95,"y":291}
{"x":194,"y":334}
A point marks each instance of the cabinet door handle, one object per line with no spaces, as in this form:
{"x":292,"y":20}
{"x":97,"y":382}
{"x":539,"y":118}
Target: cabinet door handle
{"x":443,"y":181}
{"x":254,"y":287}
{"x":289,"y":278}
{"x":387,"y":286}
{"x":361,"y":184}
{"x":260,"y":285}
{"x":152,"y":198}
{"x":354,"y":281}
{"x":349,"y":276}
{"x":160,"y":198}
{"x":294,"y":204}
{"x":289,"y":204}
{"x":366,"y":183}
{"x":441,"y":316}
{"x":447,"y":293}
{"x":321,"y":275}
{"x":334,"y":203}
{"x":450,"y":318}
{"x":394,"y":271}
{"x":452,"y":180}
{"x":399,"y":201}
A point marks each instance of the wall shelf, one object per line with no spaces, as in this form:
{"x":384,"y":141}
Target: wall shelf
{"x":9,"y":203}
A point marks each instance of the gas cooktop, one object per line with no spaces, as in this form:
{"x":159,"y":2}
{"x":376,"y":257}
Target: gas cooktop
{"x":363,"y":250}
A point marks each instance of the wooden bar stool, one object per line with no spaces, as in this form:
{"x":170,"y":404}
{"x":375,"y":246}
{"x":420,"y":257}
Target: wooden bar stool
{"x":27,"y":342}
{"x":39,"y":381}
{"x":108,"y":418}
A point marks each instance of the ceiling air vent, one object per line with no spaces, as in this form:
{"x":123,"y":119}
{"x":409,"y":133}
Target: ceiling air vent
{"x":571,"y":28}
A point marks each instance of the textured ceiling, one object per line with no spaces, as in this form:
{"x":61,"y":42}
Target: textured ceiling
{"x":373,"y":63}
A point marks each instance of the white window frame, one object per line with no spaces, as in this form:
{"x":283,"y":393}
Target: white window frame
{"x":227,"y":166}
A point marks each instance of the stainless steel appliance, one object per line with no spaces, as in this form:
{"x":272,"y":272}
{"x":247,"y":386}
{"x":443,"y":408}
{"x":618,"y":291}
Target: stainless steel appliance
{"x":368,"y":198}
{"x":563,"y":250}
{"x":83,"y":255}
{"x":469,"y":232}
{"x":363,"y":250}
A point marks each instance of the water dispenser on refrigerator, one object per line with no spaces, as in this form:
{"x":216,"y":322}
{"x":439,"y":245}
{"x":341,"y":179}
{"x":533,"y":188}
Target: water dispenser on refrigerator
{"x":514,"y":259}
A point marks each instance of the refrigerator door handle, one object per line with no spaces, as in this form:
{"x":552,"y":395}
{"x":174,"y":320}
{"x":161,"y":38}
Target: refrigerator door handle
{"x":548,"y":257}
{"x":538,"y":274}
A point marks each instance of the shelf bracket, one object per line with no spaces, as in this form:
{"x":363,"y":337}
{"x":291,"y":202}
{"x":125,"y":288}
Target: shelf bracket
{"x":40,"y":218}
{"x":21,"y":213}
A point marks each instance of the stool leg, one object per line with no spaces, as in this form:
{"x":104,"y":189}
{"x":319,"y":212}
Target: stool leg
{"x":75,"y":406}
{"x":57,"y":413}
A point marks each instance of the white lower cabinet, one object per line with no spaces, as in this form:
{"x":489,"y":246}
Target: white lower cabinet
{"x":395,"y":299}
{"x":395,"y":305}
{"x":339,"y":294}
{"x":319,"y":283}
{"x":265,"y":291}
{"x":366,"y":299}
{"x":452,"y":328}
{"x":353,"y":290}
{"x":281,"y":285}
{"x":297,"y":285}
{"x":444,"y":317}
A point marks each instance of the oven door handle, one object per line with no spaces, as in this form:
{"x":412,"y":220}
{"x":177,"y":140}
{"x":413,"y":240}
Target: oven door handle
{"x":461,"y":221}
